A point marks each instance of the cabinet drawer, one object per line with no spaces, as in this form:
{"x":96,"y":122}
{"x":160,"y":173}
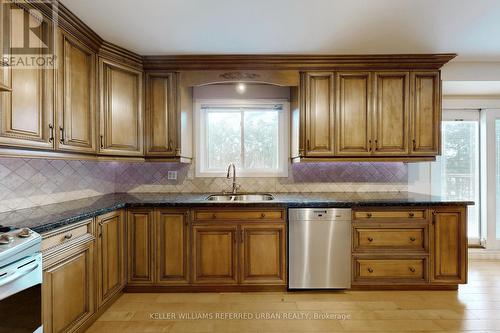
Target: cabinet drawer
{"x":406,"y":239}
{"x":403,"y":214}
{"x":67,"y":235}
{"x":234,"y":215}
{"x":390,"y":270}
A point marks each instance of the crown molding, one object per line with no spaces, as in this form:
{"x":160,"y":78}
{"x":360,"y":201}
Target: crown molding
{"x":297,"y":62}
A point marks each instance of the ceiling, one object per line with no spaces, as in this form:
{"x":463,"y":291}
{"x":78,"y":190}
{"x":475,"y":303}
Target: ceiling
{"x":160,"y":27}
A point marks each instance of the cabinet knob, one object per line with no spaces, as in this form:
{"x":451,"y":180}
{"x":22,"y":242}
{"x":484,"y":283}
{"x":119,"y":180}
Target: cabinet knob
{"x":370,"y":239}
{"x":370,"y":270}
{"x":412,"y":269}
{"x":368,"y":215}
{"x":68,"y":236}
{"x":411,"y":214}
{"x":262,"y":215}
{"x":413,"y":239}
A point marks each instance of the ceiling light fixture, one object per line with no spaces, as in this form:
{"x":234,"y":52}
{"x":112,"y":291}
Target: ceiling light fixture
{"x":240,"y":88}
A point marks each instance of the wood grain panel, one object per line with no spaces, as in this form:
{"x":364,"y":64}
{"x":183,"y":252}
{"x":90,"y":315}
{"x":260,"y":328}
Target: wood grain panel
{"x":111,"y":260}
{"x":391,"y":114}
{"x":27,"y":112}
{"x":413,"y":269}
{"x":425,"y":113}
{"x":232,"y":215}
{"x":449,"y":242}
{"x":390,"y":214}
{"x":68,"y":289}
{"x":215,"y":257}
{"x":319,"y":113}
{"x":76,"y":115}
{"x":172,"y":247}
{"x":263,"y":254}
{"x":162,"y":123}
{"x":354,"y":108}
{"x":391,"y":239}
{"x":140,"y":246}
{"x":121,"y":114}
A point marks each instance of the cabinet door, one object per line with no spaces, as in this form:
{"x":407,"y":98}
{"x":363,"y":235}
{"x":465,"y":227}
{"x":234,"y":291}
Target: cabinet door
{"x":172,"y":247}
{"x":161,"y":115}
{"x":121,"y":126}
{"x":353,"y":126}
{"x":425,"y":118}
{"x":391,"y":113}
{"x":110,"y":256}
{"x":215,"y":254}
{"x":263,"y":254}
{"x":76,"y":100}
{"x":27,"y":112}
{"x":319,"y":105}
{"x":68,"y":289}
{"x":140,"y":246}
{"x":449,"y":245}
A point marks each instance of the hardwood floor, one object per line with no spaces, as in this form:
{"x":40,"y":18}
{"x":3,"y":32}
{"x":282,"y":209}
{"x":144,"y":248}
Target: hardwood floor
{"x":475,"y":307}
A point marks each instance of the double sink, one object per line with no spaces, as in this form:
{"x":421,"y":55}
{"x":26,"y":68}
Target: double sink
{"x":255,"y":197}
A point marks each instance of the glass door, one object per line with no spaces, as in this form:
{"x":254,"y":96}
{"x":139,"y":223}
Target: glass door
{"x":455,"y":174}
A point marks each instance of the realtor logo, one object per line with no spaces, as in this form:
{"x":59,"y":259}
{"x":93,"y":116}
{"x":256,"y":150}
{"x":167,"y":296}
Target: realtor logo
{"x":29,"y":38}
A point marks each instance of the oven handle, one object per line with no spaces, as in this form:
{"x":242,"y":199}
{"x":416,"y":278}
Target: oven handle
{"x":18,"y":273}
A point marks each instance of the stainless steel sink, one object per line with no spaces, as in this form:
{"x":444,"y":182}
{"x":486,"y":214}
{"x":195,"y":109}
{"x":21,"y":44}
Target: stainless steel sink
{"x":240,"y":197}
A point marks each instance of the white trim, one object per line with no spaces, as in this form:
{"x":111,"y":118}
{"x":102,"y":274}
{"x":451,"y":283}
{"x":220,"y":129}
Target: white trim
{"x":283,"y":145}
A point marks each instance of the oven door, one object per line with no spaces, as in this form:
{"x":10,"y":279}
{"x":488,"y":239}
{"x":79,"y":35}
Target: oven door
{"x":21,"y":296}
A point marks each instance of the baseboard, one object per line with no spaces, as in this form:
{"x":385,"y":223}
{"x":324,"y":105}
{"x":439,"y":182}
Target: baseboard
{"x":202,"y":288}
{"x":483,"y":254}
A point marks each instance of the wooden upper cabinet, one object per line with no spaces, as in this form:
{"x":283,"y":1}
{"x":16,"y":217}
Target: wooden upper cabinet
{"x":27,"y":113}
{"x":449,"y":245}
{"x":76,"y":100}
{"x":214,"y":251}
{"x":425,"y":120}
{"x":121,"y":125}
{"x":319,"y":103}
{"x":263,"y":254}
{"x":391,"y":113}
{"x":140,"y":246}
{"x":162,"y":122}
{"x":354,"y":107}
{"x":111,"y":261}
{"x":172,"y":247}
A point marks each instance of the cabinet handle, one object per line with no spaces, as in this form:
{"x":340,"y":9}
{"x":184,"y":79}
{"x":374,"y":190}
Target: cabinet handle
{"x":369,"y":215}
{"x":370,"y":239}
{"x":370,"y":145}
{"x":68,"y":236}
{"x":433,"y":217}
{"x":262,"y":215}
{"x":412,"y":269}
{"x":61,"y":139}
{"x":411,"y":214}
{"x":414,"y":144}
{"x":370,"y":270}
{"x":170,"y":144}
{"x":102,"y":140}
{"x":376,"y":145}
{"x":413,"y":239}
{"x":51,"y":135}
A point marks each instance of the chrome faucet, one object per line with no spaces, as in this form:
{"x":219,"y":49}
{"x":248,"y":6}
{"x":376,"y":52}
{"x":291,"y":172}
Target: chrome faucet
{"x":235,"y":186}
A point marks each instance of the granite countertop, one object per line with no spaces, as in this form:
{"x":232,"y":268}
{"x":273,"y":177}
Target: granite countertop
{"x":45,"y":218}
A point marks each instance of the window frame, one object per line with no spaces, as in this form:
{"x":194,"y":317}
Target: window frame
{"x":200,"y":128}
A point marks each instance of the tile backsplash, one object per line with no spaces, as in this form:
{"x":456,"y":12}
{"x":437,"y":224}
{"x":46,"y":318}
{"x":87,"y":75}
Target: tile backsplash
{"x":33,"y":182}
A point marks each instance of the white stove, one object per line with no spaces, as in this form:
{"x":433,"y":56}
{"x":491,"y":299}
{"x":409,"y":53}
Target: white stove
{"x":20,"y":280}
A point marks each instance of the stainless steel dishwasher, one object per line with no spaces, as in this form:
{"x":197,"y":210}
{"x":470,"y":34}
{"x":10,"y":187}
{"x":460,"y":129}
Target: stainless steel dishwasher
{"x":319,"y":248}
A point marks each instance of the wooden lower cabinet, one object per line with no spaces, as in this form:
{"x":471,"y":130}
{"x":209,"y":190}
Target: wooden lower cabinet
{"x":449,"y":245}
{"x":172,"y":247}
{"x":215,"y":256}
{"x":140,"y":246}
{"x":111,"y":262}
{"x":68,"y":288}
{"x":410,"y":246}
{"x":263,"y":254}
